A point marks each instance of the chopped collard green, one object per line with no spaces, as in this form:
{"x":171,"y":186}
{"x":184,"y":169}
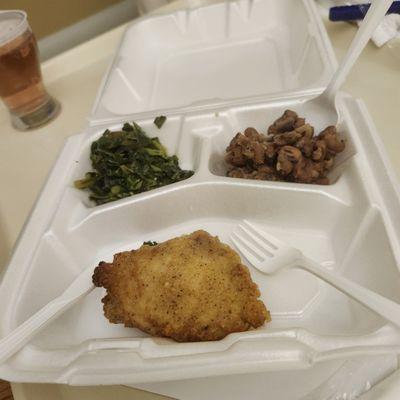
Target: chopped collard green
{"x":128,"y":162}
{"x":159,"y":121}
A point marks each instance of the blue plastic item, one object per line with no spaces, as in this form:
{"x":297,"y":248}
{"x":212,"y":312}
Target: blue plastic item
{"x":357,"y":12}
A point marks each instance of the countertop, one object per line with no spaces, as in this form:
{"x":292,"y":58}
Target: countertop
{"x":73,"y":78}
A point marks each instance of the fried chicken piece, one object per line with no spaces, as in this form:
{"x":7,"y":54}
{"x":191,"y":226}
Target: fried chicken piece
{"x":191,"y":288}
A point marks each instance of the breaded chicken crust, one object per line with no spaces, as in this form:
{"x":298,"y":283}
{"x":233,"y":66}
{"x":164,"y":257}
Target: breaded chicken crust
{"x":191,"y":288}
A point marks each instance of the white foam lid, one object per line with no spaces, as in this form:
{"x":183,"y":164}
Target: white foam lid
{"x":216,"y":55}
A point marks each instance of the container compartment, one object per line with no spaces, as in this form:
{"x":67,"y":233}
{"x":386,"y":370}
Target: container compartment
{"x":296,"y":298}
{"x":186,"y":147}
{"x":260,"y":117}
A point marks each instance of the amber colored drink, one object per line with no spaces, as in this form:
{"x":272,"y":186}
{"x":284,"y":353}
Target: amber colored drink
{"x":21,"y":85}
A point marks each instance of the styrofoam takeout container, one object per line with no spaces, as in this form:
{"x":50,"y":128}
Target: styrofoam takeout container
{"x":349,"y":226}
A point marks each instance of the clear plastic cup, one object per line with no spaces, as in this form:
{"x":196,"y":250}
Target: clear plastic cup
{"x":21,"y":84}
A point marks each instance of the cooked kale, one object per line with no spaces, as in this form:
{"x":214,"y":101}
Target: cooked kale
{"x":159,"y":121}
{"x":128,"y":162}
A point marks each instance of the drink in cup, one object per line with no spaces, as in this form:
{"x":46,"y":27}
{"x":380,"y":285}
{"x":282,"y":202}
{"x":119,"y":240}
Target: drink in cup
{"x":21,"y":84}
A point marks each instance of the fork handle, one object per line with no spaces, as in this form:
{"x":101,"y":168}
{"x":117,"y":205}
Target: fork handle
{"x":383,"y":306}
{"x":15,"y":340}
{"x":373,"y":18}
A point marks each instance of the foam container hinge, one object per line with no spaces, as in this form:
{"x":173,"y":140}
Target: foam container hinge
{"x":209,"y":56}
{"x":350,"y":226}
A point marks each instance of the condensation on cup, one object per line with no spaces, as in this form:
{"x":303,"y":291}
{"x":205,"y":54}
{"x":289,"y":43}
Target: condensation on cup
{"x":21,"y":84}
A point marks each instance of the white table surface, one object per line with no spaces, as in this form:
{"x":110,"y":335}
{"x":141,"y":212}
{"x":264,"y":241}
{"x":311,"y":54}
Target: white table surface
{"x":73,"y":77}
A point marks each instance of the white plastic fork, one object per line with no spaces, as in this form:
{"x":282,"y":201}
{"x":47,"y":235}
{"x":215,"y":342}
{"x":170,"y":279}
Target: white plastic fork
{"x":269,"y":255}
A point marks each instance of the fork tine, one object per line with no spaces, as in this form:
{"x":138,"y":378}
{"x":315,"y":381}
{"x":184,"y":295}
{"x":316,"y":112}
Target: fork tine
{"x":246,"y":253}
{"x":257,"y":250}
{"x":276,"y":243}
{"x":266,"y":246}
